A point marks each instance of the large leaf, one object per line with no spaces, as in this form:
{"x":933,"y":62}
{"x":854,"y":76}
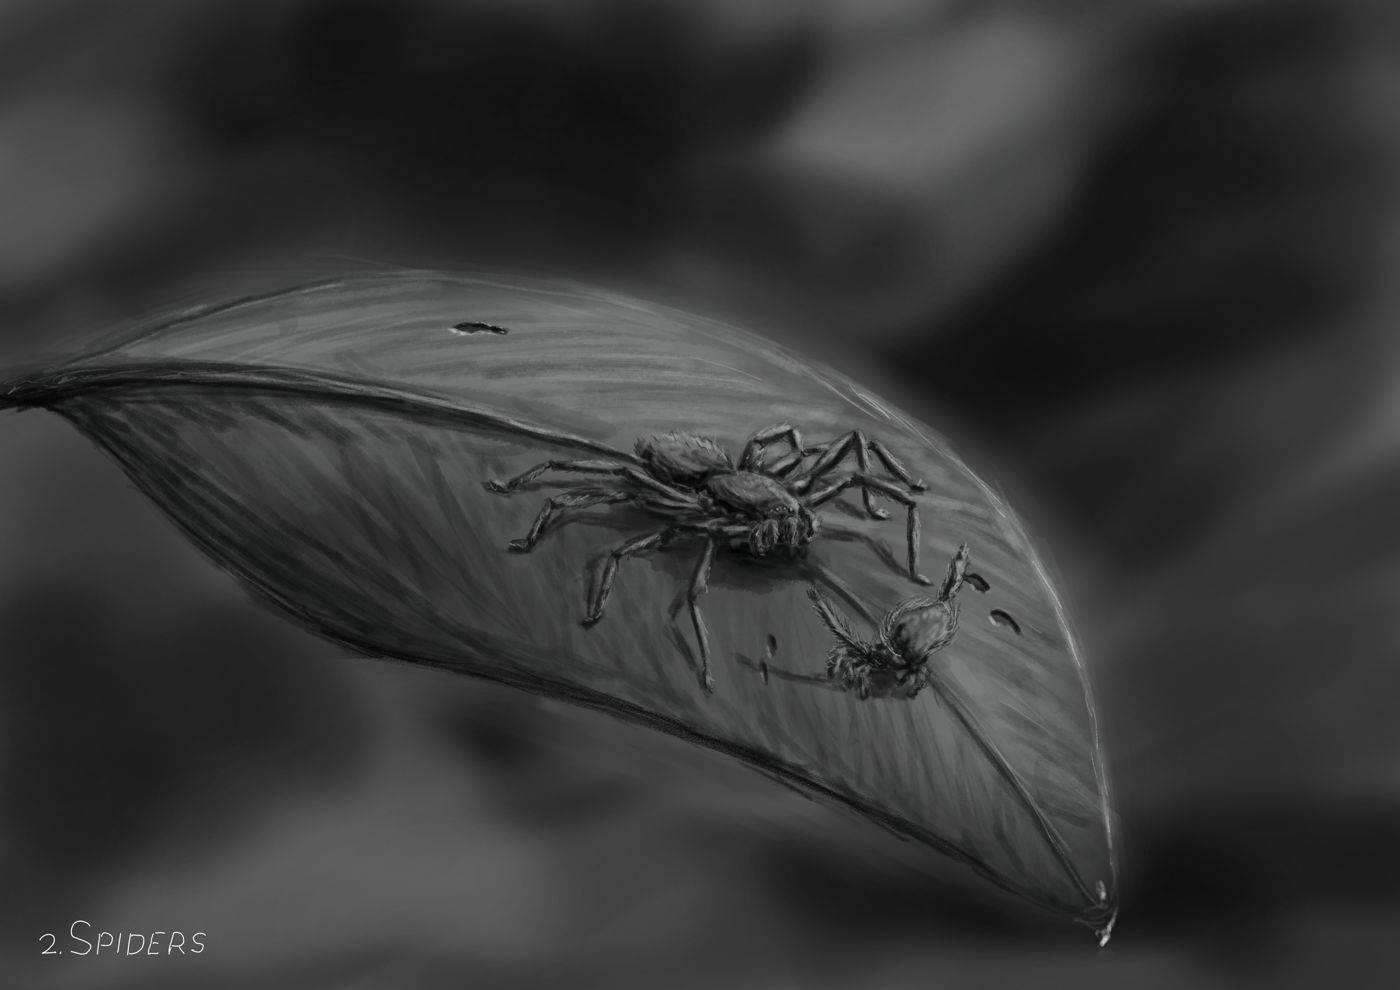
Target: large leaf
{"x":328,"y":444}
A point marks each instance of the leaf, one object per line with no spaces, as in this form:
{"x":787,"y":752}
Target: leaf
{"x":328,"y":445}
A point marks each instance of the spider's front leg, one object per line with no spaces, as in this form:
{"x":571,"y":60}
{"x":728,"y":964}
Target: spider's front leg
{"x":577,"y":467}
{"x":867,"y":484}
{"x":957,"y":574}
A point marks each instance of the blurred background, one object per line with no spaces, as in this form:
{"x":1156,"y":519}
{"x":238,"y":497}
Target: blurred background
{"x":1137,"y":262}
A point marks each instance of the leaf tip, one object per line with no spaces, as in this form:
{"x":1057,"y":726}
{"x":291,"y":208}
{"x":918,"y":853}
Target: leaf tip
{"x":1102,"y":916}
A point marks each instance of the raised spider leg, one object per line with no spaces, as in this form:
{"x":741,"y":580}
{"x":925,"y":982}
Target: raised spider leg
{"x":753,"y":450}
{"x":637,"y":545}
{"x":843,"y":589}
{"x":575,"y":498}
{"x":865,"y":482}
{"x":578,"y":467}
{"x":699,"y":584}
{"x":957,"y":573}
{"x":831,"y":616}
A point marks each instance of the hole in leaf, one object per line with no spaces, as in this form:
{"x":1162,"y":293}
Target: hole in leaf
{"x":476,"y":326}
{"x":1001,"y":618}
{"x":770,"y":649}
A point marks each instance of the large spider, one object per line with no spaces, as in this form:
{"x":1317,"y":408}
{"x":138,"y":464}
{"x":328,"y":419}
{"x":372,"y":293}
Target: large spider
{"x":895,"y":665}
{"x":756,"y":509}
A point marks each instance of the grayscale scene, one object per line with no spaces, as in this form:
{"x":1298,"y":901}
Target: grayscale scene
{"x":656,"y":493}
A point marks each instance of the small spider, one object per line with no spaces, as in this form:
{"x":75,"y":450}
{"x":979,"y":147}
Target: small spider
{"x":756,"y":509}
{"x":895,"y":665}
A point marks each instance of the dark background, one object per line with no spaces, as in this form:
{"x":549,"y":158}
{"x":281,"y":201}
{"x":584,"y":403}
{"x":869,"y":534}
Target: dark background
{"x":1138,"y":266}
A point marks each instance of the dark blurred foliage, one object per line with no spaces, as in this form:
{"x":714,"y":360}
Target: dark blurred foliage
{"x":1137,"y":261}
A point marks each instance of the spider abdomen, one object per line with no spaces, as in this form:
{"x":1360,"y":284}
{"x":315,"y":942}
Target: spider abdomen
{"x":924,"y":629}
{"x":683,"y":458}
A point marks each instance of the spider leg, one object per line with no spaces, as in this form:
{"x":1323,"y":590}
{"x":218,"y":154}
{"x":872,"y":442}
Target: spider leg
{"x":578,"y":467}
{"x":895,"y":468}
{"x":832,"y":618}
{"x":790,"y":462}
{"x":865,"y":482}
{"x":575,"y":498}
{"x":843,"y":589}
{"x":637,"y":545}
{"x":640,"y":477}
{"x":786,"y":464}
{"x":856,"y":442}
{"x":837,"y":451}
{"x":957,"y":574}
{"x":699,"y":584}
{"x":753,"y":450}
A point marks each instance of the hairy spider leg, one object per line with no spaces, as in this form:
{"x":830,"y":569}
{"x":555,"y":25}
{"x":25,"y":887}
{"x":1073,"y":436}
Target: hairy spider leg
{"x":785,"y":465}
{"x":578,"y":467}
{"x":672,"y":498}
{"x":555,"y":506}
{"x":843,"y":589}
{"x":881,"y":452}
{"x":640,"y":544}
{"x":699,"y":584}
{"x":858,"y":444}
{"x":673,"y":494}
{"x":834,"y":453}
{"x":753,"y":450}
{"x":832,"y":618}
{"x":894,"y":467}
{"x":629,"y":471}
{"x":865,"y":483}
{"x":957,"y":574}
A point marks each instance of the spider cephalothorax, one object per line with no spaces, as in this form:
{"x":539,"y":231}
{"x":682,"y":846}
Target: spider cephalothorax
{"x":895,"y":664}
{"x":779,"y":521}
{"x":753,"y":508}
